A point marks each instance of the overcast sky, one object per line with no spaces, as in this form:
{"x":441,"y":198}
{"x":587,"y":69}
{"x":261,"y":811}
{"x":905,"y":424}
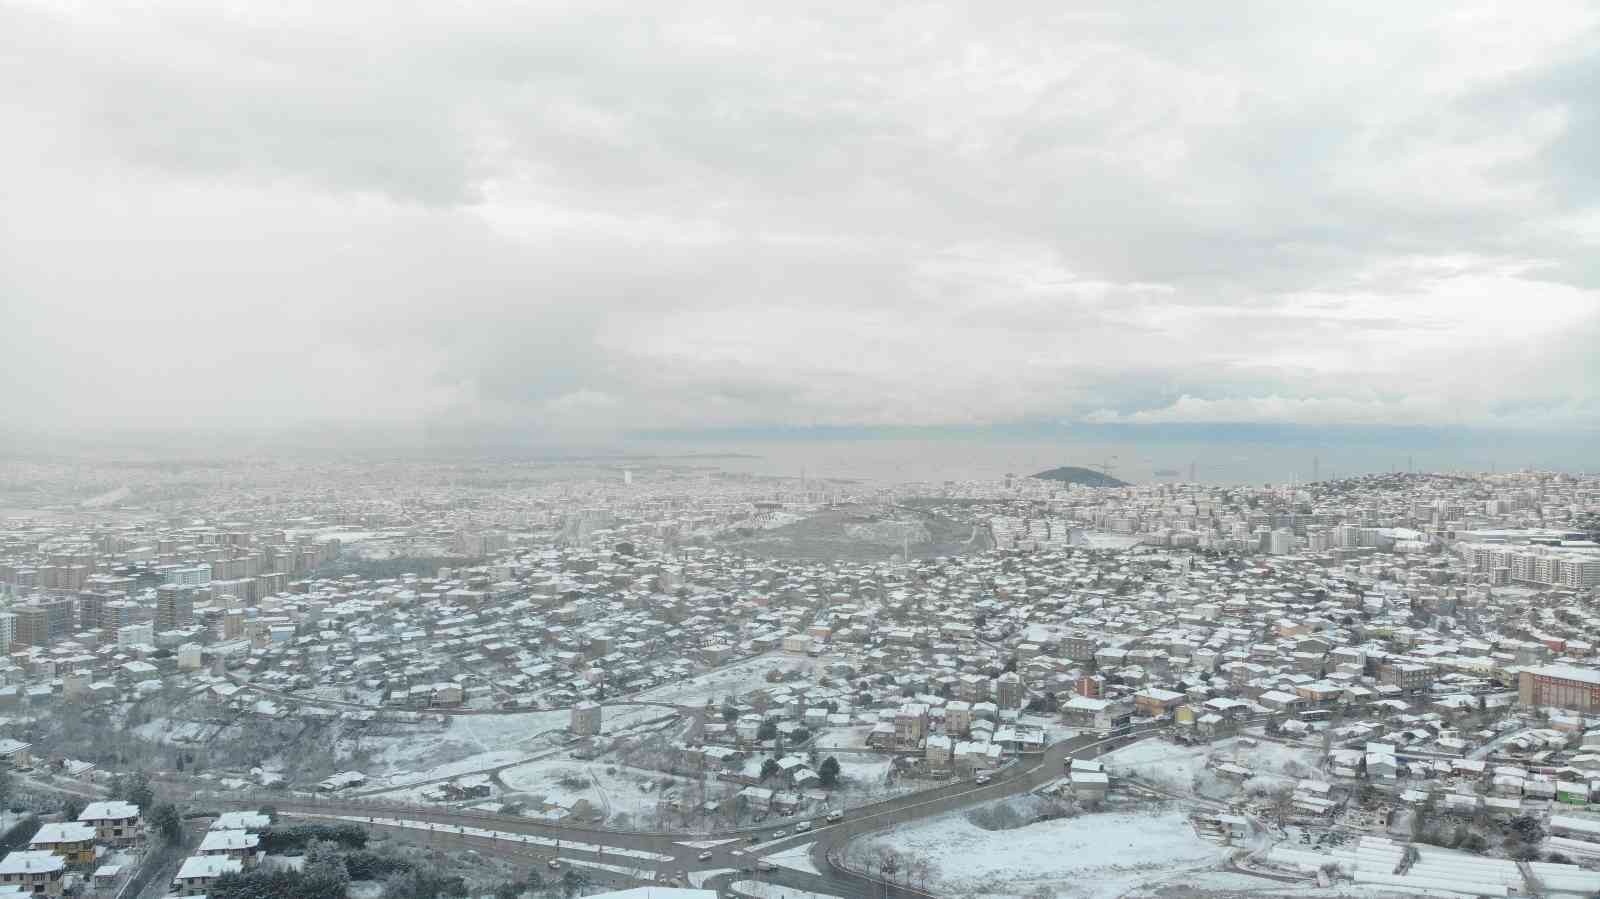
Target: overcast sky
{"x":590,"y":219}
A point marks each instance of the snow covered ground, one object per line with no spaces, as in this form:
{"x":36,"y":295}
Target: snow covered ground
{"x":854,"y":737}
{"x":863,"y":779}
{"x":737,"y":679}
{"x":467,"y":766}
{"x":166,"y":730}
{"x":760,"y":890}
{"x":797,"y":859}
{"x":1176,"y":766}
{"x":1104,"y":855}
{"x":472,"y":743}
{"x":609,"y":788}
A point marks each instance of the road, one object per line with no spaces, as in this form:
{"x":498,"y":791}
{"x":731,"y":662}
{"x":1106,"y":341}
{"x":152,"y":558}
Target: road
{"x":733,"y":850}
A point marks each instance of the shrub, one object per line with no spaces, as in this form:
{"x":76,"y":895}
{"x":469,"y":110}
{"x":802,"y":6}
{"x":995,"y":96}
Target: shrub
{"x":299,"y":836}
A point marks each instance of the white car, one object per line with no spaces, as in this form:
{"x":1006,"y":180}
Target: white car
{"x":802,"y":827}
{"x":982,"y":779}
{"x":705,"y":856}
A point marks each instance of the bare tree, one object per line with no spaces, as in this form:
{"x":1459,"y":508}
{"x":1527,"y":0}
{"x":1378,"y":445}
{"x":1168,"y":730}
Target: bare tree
{"x":890,"y":863}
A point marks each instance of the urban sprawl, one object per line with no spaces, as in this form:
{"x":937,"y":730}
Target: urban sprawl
{"x":657,"y":678}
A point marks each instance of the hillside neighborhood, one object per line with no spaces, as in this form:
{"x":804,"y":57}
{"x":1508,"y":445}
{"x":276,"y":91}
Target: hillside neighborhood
{"x":1387,"y":681}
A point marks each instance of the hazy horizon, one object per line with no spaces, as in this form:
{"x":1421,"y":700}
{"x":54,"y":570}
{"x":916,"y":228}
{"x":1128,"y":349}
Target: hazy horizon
{"x":1218,"y":454}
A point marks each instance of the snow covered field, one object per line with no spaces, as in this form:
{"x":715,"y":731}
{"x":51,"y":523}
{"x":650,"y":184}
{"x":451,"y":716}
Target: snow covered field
{"x":863,"y":779}
{"x":1096,"y":856}
{"x":1175,"y":766}
{"x":854,"y":737}
{"x":737,"y":679}
{"x":469,"y":765}
{"x":627,"y":791}
{"x":473,"y":743}
{"x":166,"y":730}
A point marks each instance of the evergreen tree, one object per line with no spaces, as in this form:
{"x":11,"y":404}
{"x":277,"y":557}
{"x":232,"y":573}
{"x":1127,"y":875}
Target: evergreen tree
{"x":829,"y":772}
{"x":164,"y":818}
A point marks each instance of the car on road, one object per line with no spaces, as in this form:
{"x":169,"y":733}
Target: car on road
{"x":765,"y":865}
{"x":983,"y":779}
{"x":835,"y":817}
{"x":754,"y":838}
{"x":779,"y":833}
{"x":554,"y":863}
{"x":705,"y":856}
{"x":802,"y":827}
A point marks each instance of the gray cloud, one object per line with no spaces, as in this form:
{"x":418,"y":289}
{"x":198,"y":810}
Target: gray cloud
{"x":585,"y":220}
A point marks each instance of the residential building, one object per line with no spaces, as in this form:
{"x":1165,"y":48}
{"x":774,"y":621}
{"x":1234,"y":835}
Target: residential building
{"x":37,"y":872}
{"x":199,"y":872}
{"x":1560,"y":686}
{"x":72,"y":840}
{"x":586,"y":719}
{"x":115,"y":823}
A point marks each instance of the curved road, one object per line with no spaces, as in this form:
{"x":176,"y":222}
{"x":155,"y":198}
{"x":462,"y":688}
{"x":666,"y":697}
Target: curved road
{"x":733,"y":850}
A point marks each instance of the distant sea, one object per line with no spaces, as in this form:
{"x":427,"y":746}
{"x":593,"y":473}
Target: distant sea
{"x":1274,"y":460}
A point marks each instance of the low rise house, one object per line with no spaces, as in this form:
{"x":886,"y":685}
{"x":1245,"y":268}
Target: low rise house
{"x":1088,"y":780}
{"x":237,"y":844}
{"x":72,"y":840}
{"x":39,"y":873}
{"x":114,"y":823}
{"x":199,"y":872}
